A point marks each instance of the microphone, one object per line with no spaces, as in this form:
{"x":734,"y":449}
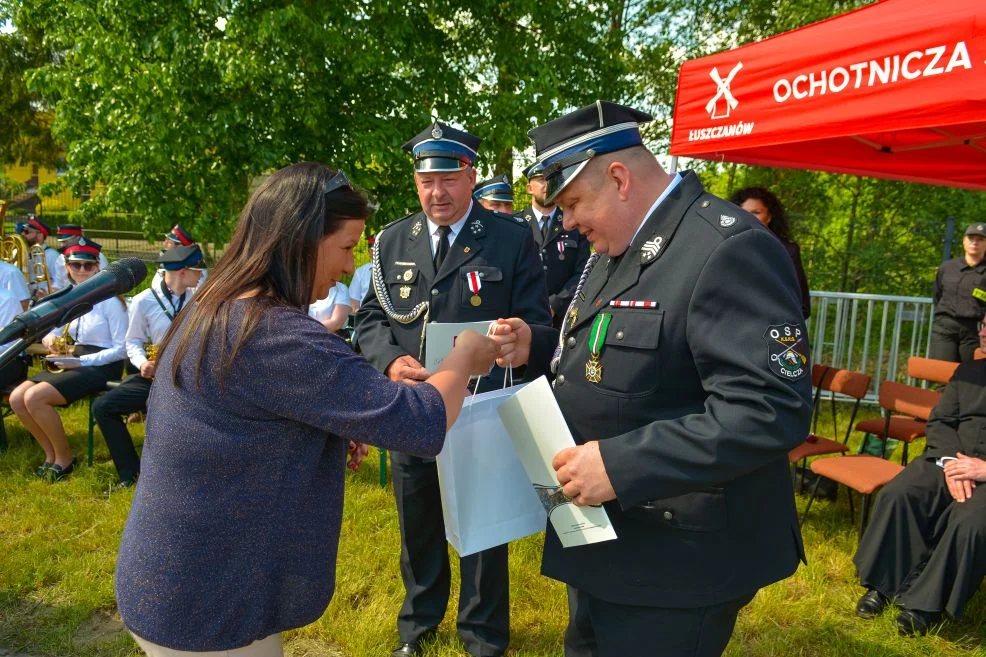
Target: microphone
{"x":75,"y":300}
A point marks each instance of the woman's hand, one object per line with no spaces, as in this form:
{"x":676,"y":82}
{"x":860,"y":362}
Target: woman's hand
{"x":357,"y":452}
{"x":481,"y":351}
{"x":47,"y":341}
{"x":514,"y":338}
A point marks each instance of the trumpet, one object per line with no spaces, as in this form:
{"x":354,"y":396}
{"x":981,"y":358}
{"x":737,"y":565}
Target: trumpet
{"x":151,"y":350}
{"x":61,"y":345}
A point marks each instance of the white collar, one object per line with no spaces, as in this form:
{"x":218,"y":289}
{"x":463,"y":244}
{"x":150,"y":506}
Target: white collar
{"x":456,"y":227}
{"x":667,"y":190}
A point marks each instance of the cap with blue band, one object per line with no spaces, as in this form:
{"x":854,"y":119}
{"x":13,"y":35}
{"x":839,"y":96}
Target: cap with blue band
{"x":495,"y":189}
{"x":442,"y":148}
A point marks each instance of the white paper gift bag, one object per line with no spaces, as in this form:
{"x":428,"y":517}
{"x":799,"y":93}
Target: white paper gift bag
{"x":487,"y":498}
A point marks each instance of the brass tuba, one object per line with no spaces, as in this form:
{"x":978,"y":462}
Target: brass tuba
{"x":15,"y":250}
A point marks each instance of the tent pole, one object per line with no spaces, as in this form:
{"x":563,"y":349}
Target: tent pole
{"x":674,"y":164}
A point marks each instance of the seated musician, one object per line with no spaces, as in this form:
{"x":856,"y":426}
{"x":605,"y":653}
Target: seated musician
{"x":97,"y":342}
{"x":68,"y":235}
{"x":14,"y":371}
{"x":12,"y":280}
{"x":925,"y":547}
{"x":35,"y":232}
{"x":151,"y":314}
{"x":333,"y":310}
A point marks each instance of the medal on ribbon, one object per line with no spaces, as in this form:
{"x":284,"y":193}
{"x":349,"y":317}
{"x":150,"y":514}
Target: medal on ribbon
{"x":475,"y":285}
{"x":561,"y":249}
{"x":597,"y":339}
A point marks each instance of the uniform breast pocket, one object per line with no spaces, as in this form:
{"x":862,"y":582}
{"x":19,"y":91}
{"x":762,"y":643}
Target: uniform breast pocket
{"x":631,"y":352}
{"x":402,"y":284}
{"x":483,"y":288}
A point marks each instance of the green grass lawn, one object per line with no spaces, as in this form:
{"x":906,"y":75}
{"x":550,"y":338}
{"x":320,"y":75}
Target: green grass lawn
{"x":58,"y":546}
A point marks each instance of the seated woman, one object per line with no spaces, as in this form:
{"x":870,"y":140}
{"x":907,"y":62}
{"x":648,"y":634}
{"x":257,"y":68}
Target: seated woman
{"x":98,"y":342}
{"x":925,"y":547}
{"x":234,"y":529}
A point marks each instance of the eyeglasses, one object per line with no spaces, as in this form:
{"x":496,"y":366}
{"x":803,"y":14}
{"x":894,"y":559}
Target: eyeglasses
{"x":27,"y":229}
{"x":83,"y":266}
{"x":339,"y":180}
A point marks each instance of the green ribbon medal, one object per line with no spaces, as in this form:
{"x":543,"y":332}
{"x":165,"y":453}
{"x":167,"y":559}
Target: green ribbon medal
{"x":597,"y":338}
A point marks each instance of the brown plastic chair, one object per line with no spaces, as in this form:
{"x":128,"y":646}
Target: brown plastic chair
{"x":909,"y":426}
{"x":834,"y":380}
{"x":866,"y":474}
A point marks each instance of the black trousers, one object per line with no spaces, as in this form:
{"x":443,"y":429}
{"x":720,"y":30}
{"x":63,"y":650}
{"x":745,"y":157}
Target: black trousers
{"x":921,"y":545}
{"x":598,"y":628}
{"x":484,"y":608}
{"x":13,"y":372}
{"x":954,"y":339}
{"x":109,"y":410}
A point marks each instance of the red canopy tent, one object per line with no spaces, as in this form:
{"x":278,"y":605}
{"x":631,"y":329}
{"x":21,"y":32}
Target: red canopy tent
{"x":895,"y":90}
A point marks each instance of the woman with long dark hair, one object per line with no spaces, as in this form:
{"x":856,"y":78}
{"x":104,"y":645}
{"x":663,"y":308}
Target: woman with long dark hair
{"x":768,"y":210}
{"x":234,"y":529}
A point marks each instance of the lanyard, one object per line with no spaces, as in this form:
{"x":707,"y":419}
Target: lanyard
{"x":167,"y":293}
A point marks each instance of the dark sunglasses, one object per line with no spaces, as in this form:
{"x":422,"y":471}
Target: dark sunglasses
{"x":27,"y":229}
{"x":337,"y":182}
{"x":83,"y":266}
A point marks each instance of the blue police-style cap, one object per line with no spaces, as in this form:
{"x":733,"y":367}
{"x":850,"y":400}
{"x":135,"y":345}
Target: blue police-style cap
{"x":534,"y":170}
{"x":495,"y":189}
{"x":565,"y":145}
{"x":181,"y":257}
{"x":442,"y":148}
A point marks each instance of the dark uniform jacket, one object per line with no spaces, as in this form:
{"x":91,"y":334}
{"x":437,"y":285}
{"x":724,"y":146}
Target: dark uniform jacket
{"x":701,"y":398}
{"x":958,"y":421}
{"x":954,"y":285}
{"x":498,"y":248}
{"x":562,"y":265}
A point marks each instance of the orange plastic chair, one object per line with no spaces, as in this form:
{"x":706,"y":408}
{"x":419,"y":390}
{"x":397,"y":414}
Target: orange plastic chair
{"x":931,"y":369}
{"x":834,"y":380}
{"x":866,"y":474}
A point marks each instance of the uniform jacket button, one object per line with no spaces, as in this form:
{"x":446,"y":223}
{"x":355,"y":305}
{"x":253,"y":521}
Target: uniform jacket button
{"x":570,"y":342}
{"x":560,"y":379}
{"x":668,"y":515}
{"x":434,"y":293}
{"x":619,"y":335}
{"x":546,"y":268}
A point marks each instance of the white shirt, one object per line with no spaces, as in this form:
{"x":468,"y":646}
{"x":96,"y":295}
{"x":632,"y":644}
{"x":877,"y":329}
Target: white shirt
{"x":104,"y":326}
{"x":12,"y":280}
{"x":456,"y":227}
{"x":10,"y":306}
{"x":149,"y":321}
{"x":322,"y":309}
{"x":360,"y":285}
{"x":544,"y":217}
{"x":667,"y":190}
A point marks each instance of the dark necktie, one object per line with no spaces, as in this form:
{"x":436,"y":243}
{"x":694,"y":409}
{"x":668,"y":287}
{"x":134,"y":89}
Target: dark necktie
{"x":545,"y":222}
{"x":443,"y":246}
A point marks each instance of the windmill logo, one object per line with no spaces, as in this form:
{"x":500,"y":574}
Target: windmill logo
{"x":724,"y":102}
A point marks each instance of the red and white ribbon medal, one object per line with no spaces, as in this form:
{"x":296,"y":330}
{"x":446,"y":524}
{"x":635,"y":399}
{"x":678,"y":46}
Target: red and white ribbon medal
{"x":561,"y":249}
{"x":475,"y":285}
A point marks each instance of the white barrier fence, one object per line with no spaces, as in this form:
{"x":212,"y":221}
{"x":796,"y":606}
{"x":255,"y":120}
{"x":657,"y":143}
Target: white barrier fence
{"x":869,"y":333}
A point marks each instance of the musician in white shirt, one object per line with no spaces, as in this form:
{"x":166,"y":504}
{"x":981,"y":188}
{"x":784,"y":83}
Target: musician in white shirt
{"x":334,"y":309}
{"x":98,"y":354}
{"x":151,"y":314}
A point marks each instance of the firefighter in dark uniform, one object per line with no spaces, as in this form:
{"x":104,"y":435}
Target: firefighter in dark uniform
{"x":563,"y":252}
{"x":683,"y":373}
{"x":495,"y":194}
{"x":926,"y":543}
{"x":957,"y":310}
{"x":453,"y":262}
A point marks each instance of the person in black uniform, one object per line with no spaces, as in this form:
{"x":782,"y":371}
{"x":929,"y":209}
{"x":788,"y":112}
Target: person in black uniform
{"x":452,"y":262}
{"x":495,"y":194}
{"x":766,"y":207}
{"x":925,"y":546}
{"x":682,"y":370}
{"x":957,"y":311}
{"x":564,"y":252}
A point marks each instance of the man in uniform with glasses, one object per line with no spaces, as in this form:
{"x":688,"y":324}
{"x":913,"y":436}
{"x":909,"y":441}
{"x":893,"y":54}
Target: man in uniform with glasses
{"x":35,"y":232}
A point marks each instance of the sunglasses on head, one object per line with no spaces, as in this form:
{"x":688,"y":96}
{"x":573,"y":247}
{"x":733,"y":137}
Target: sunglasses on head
{"x":83,"y":266}
{"x":337,"y":182}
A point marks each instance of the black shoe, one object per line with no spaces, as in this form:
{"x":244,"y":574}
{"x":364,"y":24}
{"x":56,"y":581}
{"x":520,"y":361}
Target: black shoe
{"x":57,"y":472}
{"x":405,"y":650}
{"x":42,"y":469}
{"x":871,"y":604}
{"x":912,"y":622}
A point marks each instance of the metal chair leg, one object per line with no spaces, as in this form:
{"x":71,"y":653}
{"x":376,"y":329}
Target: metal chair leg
{"x":864,"y":515}
{"x":814,"y":492}
{"x":903,"y":457}
{"x":92,"y":424}
{"x":852,"y":511}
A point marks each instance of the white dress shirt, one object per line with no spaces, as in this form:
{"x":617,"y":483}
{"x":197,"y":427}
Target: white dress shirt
{"x":360,"y":285}
{"x":104,"y":326}
{"x":10,"y":306}
{"x":456,"y":227}
{"x":150,"y":320}
{"x":12,"y":280}
{"x":322,"y":309}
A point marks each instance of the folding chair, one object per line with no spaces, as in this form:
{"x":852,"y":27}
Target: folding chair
{"x":835,"y":380}
{"x":931,"y":369}
{"x":866,"y":474}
